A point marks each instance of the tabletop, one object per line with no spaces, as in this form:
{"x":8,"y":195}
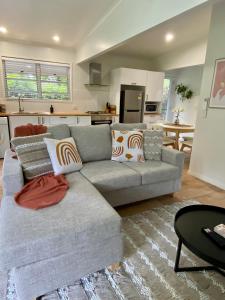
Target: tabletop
{"x":179,"y":127}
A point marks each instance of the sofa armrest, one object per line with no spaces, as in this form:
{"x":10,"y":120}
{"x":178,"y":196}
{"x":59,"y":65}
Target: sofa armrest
{"x":3,"y":284}
{"x":174,"y":157}
{"x":12,"y":174}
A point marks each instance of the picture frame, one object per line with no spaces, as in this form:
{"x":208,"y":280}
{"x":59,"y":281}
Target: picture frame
{"x":217,"y":96}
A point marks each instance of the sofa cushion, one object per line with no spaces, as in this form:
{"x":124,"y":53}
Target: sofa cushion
{"x":110,"y":175}
{"x":127,"y":146}
{"x":33,"y":155}
{"x":64,"y":155}
{"x":154,"y":171}
{"x":93,"y":142}
{"x":60,"y":131}
{"x":130,"y":126}
{"x":28,"y":236}
{"x":153,"y":141}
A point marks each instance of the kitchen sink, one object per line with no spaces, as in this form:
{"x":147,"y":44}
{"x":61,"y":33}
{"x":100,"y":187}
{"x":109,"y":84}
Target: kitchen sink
{"x":30,"y":113}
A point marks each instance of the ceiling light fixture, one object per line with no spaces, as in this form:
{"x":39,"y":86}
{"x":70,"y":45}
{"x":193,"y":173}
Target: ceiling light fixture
{"x":169,"y":37}
{"x":3,"y":29}
{"x":56,"y":38}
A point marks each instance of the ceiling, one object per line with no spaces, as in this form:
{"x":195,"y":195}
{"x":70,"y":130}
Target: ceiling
{"x":187,"y":28}
{"x":36,"y":21}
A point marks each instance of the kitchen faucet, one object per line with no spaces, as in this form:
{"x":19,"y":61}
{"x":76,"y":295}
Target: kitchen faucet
{"x":20,"y":108}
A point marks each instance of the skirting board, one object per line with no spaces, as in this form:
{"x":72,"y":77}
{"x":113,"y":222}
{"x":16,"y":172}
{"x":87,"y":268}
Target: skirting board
{"x":208,"y":179}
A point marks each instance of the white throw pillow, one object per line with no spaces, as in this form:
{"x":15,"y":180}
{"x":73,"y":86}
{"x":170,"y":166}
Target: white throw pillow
{"x":64,"y":155}
{"x":127,"y":146}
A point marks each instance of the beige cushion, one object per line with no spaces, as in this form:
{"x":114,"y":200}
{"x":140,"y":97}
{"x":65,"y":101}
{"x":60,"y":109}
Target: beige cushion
{"x":33,"y":155}
{"x":127,"y":146}
{"x":64,"y":155}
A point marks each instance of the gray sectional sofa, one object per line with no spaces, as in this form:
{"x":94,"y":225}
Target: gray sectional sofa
{"x":55,"y":246}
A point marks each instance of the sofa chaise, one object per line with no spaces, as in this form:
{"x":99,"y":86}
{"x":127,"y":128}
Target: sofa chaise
{"x":55,"y":246}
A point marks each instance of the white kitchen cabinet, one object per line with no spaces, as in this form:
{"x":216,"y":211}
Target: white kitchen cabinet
{"x":132,"y":76}
{"x":15,"y":121}
{"x":55,"y":120}
{"x":84,"y":120}
{"x":115,"y":119}
{"x":154,"y":86}
{"x":151,"y":119}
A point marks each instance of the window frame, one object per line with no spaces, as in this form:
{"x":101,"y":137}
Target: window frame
{"x":38,"y":82}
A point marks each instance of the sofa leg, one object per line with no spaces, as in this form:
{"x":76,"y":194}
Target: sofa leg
{"x":115,"y":267}
{"x":171,"y":195}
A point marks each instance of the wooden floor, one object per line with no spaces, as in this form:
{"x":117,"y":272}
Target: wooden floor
{"x":192,"y":188}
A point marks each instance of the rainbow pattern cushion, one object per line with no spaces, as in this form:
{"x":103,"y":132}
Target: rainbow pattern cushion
{"x":127,"y":146}
{"x":64,"y":155}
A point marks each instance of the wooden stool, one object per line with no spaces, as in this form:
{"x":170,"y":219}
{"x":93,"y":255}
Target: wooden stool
{"x":168,"y":141}
{"x":187,"y":144}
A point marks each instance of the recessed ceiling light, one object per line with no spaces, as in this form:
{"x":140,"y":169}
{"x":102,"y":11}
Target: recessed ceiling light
{"x":56,"y":38}
{"x":3,"y":29}
{"x":169,"y":37}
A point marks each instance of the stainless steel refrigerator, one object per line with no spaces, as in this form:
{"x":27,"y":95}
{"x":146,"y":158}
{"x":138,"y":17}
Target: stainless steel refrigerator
{"x":131,"y":103}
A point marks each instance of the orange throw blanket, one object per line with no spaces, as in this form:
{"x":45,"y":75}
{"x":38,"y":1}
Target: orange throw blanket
{"x":29,"y":129}
{"x":42,"y":191}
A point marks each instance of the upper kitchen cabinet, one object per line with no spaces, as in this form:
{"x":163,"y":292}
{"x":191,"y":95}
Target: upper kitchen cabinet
{"x":132,"y":76}
{"x":128,"y":76}
{"x":154,"y":86}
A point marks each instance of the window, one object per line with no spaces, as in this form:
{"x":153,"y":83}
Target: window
{"x":36,"y":80}
{"x":165,"y":100}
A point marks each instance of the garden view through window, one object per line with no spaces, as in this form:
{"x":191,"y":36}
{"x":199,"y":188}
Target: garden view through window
{"x":36,"y":80}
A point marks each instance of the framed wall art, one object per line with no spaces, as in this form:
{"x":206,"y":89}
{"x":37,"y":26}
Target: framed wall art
{"x":217,"y":98}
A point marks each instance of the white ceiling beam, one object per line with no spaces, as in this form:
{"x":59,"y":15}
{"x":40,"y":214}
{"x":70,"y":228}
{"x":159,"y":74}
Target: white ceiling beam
{"x":127,"y":19}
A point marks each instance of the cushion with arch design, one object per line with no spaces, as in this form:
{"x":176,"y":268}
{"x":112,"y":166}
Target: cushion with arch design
{"x":127,"y":146}
{"x":64,"y":155}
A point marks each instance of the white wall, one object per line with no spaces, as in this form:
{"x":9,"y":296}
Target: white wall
{"x":83,"y":98}
{"x":208,"y":156}
{"x":127,"y":19}
{"x":188,"y":55}
{"x":191,"y":77}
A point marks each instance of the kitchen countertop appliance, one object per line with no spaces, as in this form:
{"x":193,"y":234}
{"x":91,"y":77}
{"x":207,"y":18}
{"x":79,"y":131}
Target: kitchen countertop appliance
{"x":132,"y":103}
{"x":151,"y":107}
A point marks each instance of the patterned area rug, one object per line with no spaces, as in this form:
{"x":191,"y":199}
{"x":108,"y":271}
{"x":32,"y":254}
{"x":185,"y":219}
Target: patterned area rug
{"x":147,"y":267}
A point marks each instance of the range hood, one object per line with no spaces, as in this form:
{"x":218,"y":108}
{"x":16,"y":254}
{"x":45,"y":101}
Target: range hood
{"x":95,"y":75}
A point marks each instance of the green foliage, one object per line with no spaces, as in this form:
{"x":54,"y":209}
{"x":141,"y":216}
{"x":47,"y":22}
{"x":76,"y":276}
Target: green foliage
{"x":184,"y":92}
{"x":25,"y":85}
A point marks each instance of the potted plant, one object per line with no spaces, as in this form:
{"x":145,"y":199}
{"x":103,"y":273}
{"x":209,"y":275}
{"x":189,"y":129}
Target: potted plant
{"x":183,"y":92}
{"x":177,"y":110}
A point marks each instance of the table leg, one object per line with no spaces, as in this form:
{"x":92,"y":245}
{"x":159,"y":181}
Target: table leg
{"x":176,"y":267}
{"x":177,"y":140}
{"x":192,"y":269}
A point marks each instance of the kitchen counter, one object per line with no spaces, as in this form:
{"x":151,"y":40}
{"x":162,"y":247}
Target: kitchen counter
{"x":74,"y":113}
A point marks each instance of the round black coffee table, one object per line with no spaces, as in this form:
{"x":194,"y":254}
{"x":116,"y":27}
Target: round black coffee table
{"x":188,"y":225}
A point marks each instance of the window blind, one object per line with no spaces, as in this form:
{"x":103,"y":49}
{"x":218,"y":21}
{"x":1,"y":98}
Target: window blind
{"x":36,"y":80}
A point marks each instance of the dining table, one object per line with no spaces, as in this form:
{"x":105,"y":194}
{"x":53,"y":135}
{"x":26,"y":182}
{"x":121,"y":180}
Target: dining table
{"x":177,"y":129}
